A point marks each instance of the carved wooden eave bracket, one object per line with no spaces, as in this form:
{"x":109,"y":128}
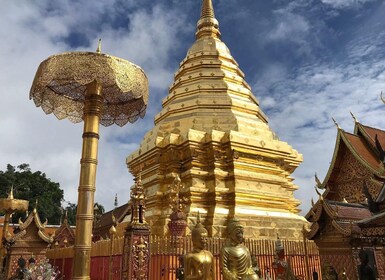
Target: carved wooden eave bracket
{"x":332,"y":213}
{"x":314,"y":228}
{"x":315,"y":212}
{"x":344,"y":231}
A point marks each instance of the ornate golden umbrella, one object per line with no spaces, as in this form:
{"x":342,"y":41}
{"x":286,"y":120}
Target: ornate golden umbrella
{"x":96,"y":88}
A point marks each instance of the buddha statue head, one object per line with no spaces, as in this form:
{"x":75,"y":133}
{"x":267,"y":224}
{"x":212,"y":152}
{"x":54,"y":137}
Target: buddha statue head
{"x":235,"y":231}
{"x":199,"y":235}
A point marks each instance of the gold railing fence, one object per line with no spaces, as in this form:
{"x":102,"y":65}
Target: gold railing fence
{"x":167,"y":251}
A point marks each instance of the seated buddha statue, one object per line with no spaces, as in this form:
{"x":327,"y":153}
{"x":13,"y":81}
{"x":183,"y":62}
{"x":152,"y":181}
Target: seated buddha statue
{"x":235,"y":257}
{"x":199,"y":264}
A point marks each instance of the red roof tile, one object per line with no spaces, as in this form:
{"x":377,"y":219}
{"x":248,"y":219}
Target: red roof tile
{"x":349,"y":211}
{"x":372,"y":132}
{"x":358,"y":144}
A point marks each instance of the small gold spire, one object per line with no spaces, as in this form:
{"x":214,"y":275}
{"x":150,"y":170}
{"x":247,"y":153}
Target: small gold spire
{"x":335,"y":122}
{"x":10,"y":195}
{"x":99,"y":49}
{"x":382,"y":98}
{"x":354,"y":117}
{"x":319,"y":194}
{"x":35,"y":209}
{"x":317,"y":181}
{"x":112,"y":230}
{"x":207,"y":9}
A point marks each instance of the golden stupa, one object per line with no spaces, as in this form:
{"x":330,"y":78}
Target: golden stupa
{"x":213,"y":134}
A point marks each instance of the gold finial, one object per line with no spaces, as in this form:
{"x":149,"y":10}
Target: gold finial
{"x":198,"y":218}
{"x":35,"y":209}
{"x":317,"y":181}
{"x":10,"y":195}
{"x":112,"y":230}
{"x":319,"y":194}
{"x":207,"y":9}
{"x":335,"y":122}
{"x":207,"y":25}
{"x":344,"y":200}
{"x":354,"y":117}
{"x":99,"y":49}
{"x":116,"y":201}
{"x":382,"y":98}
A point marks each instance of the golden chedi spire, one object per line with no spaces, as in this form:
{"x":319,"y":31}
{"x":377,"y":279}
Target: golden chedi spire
{"x":207,"y":25}
{"x":212,"y":131}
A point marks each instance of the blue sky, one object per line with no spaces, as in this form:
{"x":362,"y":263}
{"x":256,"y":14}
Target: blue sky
{"x":305,"y":60}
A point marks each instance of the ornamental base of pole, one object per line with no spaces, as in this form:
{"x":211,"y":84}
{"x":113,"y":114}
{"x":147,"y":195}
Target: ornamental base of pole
{"x":136,"y":253}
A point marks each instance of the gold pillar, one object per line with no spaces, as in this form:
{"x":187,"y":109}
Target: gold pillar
{"x":84,"y":215}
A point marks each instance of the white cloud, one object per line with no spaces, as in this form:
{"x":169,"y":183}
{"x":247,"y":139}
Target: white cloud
{"x":343,"y":4}
{"x":298,"y":101}
{"x":33,"y":30}
{"x":289,"y":26}
{"x":304,"y":106}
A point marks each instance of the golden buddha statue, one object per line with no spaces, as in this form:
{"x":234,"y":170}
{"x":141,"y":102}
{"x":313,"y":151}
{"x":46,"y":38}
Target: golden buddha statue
{"x":235,"y":257}
{"x":199,"y":264}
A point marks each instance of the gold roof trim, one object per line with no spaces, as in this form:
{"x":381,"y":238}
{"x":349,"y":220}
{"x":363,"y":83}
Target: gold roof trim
{"x":334,"y":158}
{"x":318,"y":211}
{"x":41,"y":226}
{"x":17,"y":236}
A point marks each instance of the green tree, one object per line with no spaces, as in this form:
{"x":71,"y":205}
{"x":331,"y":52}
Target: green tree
{"x":33,"y":186}
{"x":71,"y":213}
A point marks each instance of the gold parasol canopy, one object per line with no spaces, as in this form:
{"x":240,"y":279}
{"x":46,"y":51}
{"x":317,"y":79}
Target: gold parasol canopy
{"x":10,"y":204}
{"x":61,"y":81}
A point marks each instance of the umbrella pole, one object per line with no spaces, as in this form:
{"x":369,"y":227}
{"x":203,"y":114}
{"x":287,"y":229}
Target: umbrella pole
{"x":88,"y":163}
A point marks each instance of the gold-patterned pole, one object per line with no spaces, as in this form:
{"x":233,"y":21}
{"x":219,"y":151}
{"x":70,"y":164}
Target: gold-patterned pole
{"x":88,"y":162}
{"x":95,"y":88}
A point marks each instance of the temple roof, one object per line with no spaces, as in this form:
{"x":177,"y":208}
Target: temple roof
{"x":21,"y":230}
{"x":110,"y":218}
{"x":65,"y":235}
{"x":360,"y":149}
{"x":350,"y":218}
{"x":344,"y":217}
{"x":370,"y":133}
